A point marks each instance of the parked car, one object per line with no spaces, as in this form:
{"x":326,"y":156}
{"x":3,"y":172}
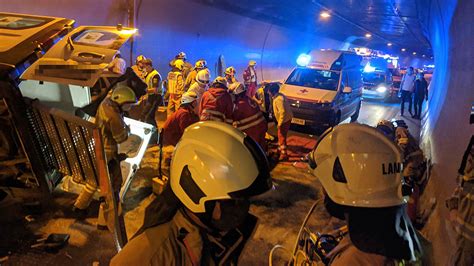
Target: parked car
{"x":379,"y":85}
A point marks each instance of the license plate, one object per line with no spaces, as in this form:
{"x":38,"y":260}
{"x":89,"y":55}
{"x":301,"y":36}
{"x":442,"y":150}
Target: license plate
{"x":298,"y":121}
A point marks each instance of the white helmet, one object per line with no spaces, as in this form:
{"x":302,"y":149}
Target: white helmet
{"x":237,"y":88}
{"x":179,"y":64}
{"x":181,"y":55}
{"x":203,"y":77}
{"x":215,"y":161}
{"x":359,"y":166}
{"x":188,"y":97}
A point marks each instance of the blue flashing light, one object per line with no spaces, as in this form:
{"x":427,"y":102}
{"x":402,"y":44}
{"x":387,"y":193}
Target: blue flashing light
{"x":303,"y":59}
{"x":369,"y":68}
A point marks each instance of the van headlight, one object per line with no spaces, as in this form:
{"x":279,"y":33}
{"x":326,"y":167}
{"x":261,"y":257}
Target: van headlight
{"x":381,"y":89}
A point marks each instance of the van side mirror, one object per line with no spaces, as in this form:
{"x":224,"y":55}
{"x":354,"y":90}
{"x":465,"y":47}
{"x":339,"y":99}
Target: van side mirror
{"x":347,"y":90}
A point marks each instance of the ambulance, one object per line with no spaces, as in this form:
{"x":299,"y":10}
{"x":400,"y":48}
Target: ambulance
{"x":325,"y":88}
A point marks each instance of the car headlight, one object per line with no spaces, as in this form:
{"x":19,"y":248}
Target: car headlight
{"x":382,"y":89}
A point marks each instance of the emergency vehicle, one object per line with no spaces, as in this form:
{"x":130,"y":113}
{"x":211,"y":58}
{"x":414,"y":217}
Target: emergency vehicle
{"x":325,"y":88}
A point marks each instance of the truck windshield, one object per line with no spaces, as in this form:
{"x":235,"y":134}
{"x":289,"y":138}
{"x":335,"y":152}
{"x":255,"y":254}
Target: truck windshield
{"x":314,"y":78}
{"x":373,"y":78}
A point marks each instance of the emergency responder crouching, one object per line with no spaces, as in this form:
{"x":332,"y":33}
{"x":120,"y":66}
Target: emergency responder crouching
{"x":175,"y":86}
{"x":211,"y":224}
{"x":216,"y":103}
{"x":361,"y":173}
{"x":247,"y":115}
{"x":154,"y":94}
{"x":109,"y":119}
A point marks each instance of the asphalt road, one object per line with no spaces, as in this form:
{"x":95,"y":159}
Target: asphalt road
{"x":280,"y":211}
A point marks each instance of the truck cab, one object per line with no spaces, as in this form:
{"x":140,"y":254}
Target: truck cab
{"x":326,"y":90}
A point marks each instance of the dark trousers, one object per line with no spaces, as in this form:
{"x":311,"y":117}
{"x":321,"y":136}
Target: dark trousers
{"x":150,"y":107}
{"x":418,"y":102}
{"x":406,"y":97}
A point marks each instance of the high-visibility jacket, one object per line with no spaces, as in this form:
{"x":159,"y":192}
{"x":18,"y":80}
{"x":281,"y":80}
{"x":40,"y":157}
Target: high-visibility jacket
{"x":248,"y":118}
{"x":112,"y":127}
{"x":154,"y":82}
{"x":175,"y":82}
{"x":176,"y":124}
{"x":216,"y":105}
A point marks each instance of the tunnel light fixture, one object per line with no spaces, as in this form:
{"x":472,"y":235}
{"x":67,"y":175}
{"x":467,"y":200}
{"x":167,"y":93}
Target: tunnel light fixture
{"x":368,"y":35}
{"x":389,"y":44}
{"x":303,"y":60}
{"x":324,"y":14}
{"x":403,"y":49}
{"x":414,"y":53}
{"x":423,"y":55}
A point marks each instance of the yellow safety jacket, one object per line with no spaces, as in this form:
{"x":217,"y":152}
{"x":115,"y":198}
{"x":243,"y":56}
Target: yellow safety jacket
{"x":154,"y":82}
{"x":175,"y":82}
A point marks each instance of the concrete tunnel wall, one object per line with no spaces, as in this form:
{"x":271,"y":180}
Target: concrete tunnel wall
{"x":445,"y":128}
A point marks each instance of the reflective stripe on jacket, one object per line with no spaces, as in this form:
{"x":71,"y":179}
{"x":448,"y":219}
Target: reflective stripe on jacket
{"x":216,"y":104}
{"x":113,"y":129}
{"x":152,"y":84}
{"x":175,"y":82}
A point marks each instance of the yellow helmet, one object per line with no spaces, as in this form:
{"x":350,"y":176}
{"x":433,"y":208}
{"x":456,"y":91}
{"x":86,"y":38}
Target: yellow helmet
{"x":123,"y":95}
{"x":230,"y":71}
{"x":252,"y":63}
{"x":179,"y":64}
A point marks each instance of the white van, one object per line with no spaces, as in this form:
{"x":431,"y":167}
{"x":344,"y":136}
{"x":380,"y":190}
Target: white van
{"x":327,"y":90}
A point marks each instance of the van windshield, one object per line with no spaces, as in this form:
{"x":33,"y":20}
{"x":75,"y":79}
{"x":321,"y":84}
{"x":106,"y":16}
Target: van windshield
{"x":375,"y":78}
{"x":314,"y":78}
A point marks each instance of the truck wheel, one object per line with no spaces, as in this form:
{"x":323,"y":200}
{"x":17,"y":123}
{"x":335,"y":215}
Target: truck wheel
{"x":356,"y":114}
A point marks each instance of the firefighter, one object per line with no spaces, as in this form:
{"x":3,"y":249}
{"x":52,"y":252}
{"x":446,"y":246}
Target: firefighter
{"x":138,"y":67}
{"x":461,"y":209}
{"x":210,"y":223}
{"x":109,"y":119}
{"x":413,"y":162}
{"x":282,"y":114}
{"x":185,"y":116}
{"x":175,"y":86}
{"x":250,"y":79}
{"x":154,"y":96}
{"x":216,"y":103}
{"x":191,"y":78}
{"x":247,"y":116}
{"x":230,"y":75}
{"x":187,"y":67}
{"x":360,"y":171}
{"x":200,"y":86}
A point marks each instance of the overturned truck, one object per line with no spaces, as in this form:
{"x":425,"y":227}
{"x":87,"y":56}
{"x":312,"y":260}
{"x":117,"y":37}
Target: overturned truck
{"x":52,"y":78}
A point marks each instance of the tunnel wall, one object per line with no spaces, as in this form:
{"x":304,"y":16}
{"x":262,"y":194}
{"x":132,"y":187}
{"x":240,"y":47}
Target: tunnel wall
{"x":168,"y":27}
{"x":445,"y":128}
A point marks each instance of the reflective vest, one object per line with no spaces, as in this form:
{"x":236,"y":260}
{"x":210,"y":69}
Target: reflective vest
{"x":149,"y":82}
{"x":175,"y":82}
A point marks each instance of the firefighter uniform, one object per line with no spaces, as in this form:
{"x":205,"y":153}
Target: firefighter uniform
{"x":413,"y":167}
{"x":112,"y":127}
{"x":216,"y":105}
{"x":190,"y":79}
{"x":176,"y":90}
{"x":176,"y":124}
{"x":154,"y":96}
{"x":461,"y":206}
{"x":248,"y":118}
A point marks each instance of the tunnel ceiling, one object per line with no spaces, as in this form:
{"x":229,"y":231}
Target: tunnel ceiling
{"x":389,"y":21}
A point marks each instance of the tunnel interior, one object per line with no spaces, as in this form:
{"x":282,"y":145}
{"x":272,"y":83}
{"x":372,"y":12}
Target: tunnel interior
{"x":275,"y":33}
